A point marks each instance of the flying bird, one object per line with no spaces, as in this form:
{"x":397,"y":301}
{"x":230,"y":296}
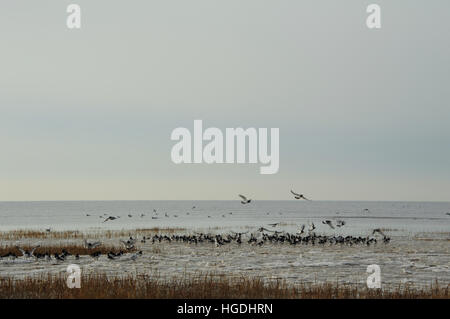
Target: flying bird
{"x":26,"y":253}
{"x":244,"y":200}
{"x":261,"y":229}
{"x":110,"y":218}
{"x":340,"y":223}
{"x":302,"y":229}
{"x":298,"y":196}
{"x":91,"y":245}
{"x":329,"y":223}
{"x":274,"y":225}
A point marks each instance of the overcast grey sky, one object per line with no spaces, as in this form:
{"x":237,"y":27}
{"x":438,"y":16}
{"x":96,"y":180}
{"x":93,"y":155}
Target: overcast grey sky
{"x":87,"y":114}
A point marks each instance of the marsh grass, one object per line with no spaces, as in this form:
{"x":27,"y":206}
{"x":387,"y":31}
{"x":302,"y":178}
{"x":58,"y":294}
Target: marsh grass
{"x":70,"y":248}
{"x":199,"y":287}
{"x":96,"y":234}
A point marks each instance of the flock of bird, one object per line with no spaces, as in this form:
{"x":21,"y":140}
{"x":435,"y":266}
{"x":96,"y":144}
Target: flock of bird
{"x":260,"y":237}
{"x":244,"y":200}
{"x":106,"y":218}
{"x":30,"y":255}
{"x":270,"y":238}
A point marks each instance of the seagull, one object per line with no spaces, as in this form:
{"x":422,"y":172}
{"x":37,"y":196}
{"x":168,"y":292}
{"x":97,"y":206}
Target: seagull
{"x":261,"y":229}
{"x":58,"y":257}
{"x":26,"y":253}
{"x":340,"y":223}
{"x":298,"y":196}
{"x":129,"y":244}
{"x":129,"y":215}
{"x":366,"y":210}
{"x":91,"y":245}
{"x":274,"y":225}
{"x":48,"y":230}
{"x":240,"y":233}
{"x":328,"y":222}
{"x":302,"y":229}
{"x":244,"y":199}
{"x":111,"y":256}
{"x":136,"y":255}
{"x":110,"y":218}
{"x":95,"y":254}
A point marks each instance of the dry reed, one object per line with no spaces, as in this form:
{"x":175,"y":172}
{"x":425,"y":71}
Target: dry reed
{"x":70,"y":248}
{"x":69,"y":234}
{"x":199,"y":287}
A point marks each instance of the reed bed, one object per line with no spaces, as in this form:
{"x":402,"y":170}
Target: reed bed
{"x":99,"y":286}
{"x":70,"y":248}
{"x":93,"y":234}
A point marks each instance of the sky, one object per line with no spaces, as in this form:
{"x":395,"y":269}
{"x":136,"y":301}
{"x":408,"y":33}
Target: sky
{"x":87,"y":114}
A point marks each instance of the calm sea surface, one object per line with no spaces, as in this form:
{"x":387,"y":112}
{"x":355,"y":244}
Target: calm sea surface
{"x":403,"y":217}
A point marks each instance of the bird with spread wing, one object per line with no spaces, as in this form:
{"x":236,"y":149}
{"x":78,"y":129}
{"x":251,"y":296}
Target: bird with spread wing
{"x":298,"y":196}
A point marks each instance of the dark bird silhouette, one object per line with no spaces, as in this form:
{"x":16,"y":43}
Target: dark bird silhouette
{"x":340,"y":223}
{"x":110,"y":218}
{"x":244,"y":200}
{"x":298,"y":196}
{"x":302,"y":229}
{"x":91,"y":245}
{"x":329,"y":223}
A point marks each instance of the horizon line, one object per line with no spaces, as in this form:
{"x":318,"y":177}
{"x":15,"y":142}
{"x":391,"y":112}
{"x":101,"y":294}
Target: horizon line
{"x":230,"y":200}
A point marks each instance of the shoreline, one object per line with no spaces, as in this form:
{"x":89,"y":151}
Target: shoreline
{"x":412,"y":267}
